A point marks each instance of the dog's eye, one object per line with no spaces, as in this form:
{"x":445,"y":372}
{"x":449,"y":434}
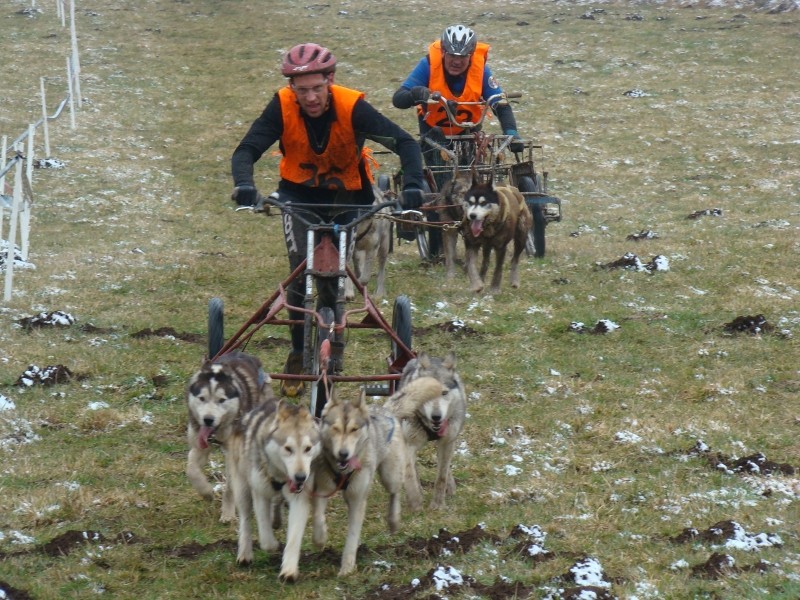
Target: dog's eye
{"x":308,"y":449}
{"x":287,"y":449}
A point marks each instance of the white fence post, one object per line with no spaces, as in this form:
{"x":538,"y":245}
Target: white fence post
{"x":76,"y":61}
{"x":27,"y":197}
{"x":71,"y":96}
{"x":44,"y":121}
{"x":3,"y":182}
{"x":12,"y":233}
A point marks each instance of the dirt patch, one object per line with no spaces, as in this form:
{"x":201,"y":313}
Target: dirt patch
{"x":723,"y":565}
{"x":169,"y":332}
{"x":195,"y":549}
{"x":49,"y":375}
{"x":55,"y":318}
{"x":644,"y":234}
{"x":442,"y":544}
{"x":706,"y":212}
{"x":602,"y":326}
{"x":630,"y":262}
{"x":7,"y":591}
{"x":753,"y":464}
{"x":457,"y":327}
{"x":754,"y":325}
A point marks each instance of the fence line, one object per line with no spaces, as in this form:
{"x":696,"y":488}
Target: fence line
{"x":22,"y":198}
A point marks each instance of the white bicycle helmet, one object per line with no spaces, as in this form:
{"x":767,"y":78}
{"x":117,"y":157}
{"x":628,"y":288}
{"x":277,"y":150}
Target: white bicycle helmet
{"x":459,"y":40}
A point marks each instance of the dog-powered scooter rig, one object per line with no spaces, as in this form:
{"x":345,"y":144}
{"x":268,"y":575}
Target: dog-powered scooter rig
{"x":489,"y":156}
{"x":324,"y":327}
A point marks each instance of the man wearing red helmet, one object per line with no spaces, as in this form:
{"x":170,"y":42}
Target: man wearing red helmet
{"x":320,"y":128}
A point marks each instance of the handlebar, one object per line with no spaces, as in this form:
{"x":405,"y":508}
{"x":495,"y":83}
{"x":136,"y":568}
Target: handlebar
{"x":437,"y":98}
{"x":321,"y":217}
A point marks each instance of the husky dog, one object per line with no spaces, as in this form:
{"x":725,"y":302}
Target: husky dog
{"x":357,"y":441}
{"x":216,"y":397}
{"x":272,"y":465}
{"x":372,"y":240}
{"x":493,"y":218}
{"x":436,"y":417}
{"x":451,"y":198}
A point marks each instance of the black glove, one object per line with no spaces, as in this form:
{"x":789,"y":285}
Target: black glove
{"x":412,"y":198}
{"x":452,"y":106}
{"x":420,"y":94}
{"x":245,"y":195}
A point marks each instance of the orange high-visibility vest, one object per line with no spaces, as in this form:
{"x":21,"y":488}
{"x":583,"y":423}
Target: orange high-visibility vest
{"x":337,"y":166}
{"x":436,"y":115}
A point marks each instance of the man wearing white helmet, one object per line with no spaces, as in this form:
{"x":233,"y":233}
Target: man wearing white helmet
{"x":321,"y":129}
{"x":456,"y":68}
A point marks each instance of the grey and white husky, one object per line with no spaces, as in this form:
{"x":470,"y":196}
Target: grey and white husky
{"x":217,"y":396}
{"x":358,"y":441}
{"x":437,"y":418}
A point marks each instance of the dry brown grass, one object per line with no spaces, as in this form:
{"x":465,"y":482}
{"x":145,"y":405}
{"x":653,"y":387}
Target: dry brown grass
{"x":137,"y":232}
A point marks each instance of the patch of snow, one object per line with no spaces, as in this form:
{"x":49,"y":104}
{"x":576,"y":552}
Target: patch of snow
{"x":627,"y":437}
{"x":444,"y":577}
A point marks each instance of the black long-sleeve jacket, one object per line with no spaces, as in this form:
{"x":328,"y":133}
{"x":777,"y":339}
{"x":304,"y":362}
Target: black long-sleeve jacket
{"x":367,"y":123}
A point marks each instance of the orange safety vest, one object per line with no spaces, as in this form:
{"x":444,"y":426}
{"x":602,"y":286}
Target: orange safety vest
{"x":337,"y":166}
{"x":436,"y":115}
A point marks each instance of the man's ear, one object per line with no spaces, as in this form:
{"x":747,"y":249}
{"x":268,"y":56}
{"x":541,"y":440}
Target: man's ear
{"x":330,"y":78}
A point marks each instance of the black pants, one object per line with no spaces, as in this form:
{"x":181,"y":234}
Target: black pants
{"x":295,"y":234}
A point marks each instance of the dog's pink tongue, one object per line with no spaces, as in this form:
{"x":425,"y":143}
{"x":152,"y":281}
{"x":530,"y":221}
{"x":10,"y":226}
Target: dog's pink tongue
{"x":443,"y":428}
{"x":202,"y":438}
{"x":354,"y":463}
{"x":476,"y":227}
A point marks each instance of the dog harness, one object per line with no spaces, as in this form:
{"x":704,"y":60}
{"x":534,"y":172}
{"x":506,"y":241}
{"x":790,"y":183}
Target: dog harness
{"x":336,"y":167}
{"x":436,"y":115}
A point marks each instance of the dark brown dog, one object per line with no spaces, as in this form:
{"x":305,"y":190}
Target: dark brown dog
{"x":493,"y":218}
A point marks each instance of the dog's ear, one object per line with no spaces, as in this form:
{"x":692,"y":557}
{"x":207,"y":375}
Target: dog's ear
{"x":362,"y":399}
{"x":423,"y":360}
{"x":333,"y":398}
{"x":449,"y":361}
{"x":475,"y":179}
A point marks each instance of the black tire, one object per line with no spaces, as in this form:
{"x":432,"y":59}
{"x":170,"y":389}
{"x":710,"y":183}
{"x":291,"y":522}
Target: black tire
{"x":401,"y":323}
{"x":216,"y":329}
{"x":428,"y":238}
{"x":535,"y":245}
{"x":319,"y":392}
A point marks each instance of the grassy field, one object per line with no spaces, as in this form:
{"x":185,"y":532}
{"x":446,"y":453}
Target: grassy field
{"x":611,"y":448}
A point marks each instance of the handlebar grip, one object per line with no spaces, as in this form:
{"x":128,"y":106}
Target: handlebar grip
{"x":513,"y":94}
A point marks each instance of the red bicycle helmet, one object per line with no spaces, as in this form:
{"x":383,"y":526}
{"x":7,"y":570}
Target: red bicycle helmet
{"x":305,"y":59}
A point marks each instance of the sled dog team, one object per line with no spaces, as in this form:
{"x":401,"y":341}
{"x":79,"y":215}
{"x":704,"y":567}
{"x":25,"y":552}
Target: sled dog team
{"x":277,"y":454}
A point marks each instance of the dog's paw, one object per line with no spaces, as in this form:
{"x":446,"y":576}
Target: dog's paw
{"x":227,"y":516}
{"x":244,"y":560}
{"x":320,"y":537}
{"x":269,"y":545}
{"x":348,"y":567}
{"x":437,"y":504}
{"x":289,"y":576}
